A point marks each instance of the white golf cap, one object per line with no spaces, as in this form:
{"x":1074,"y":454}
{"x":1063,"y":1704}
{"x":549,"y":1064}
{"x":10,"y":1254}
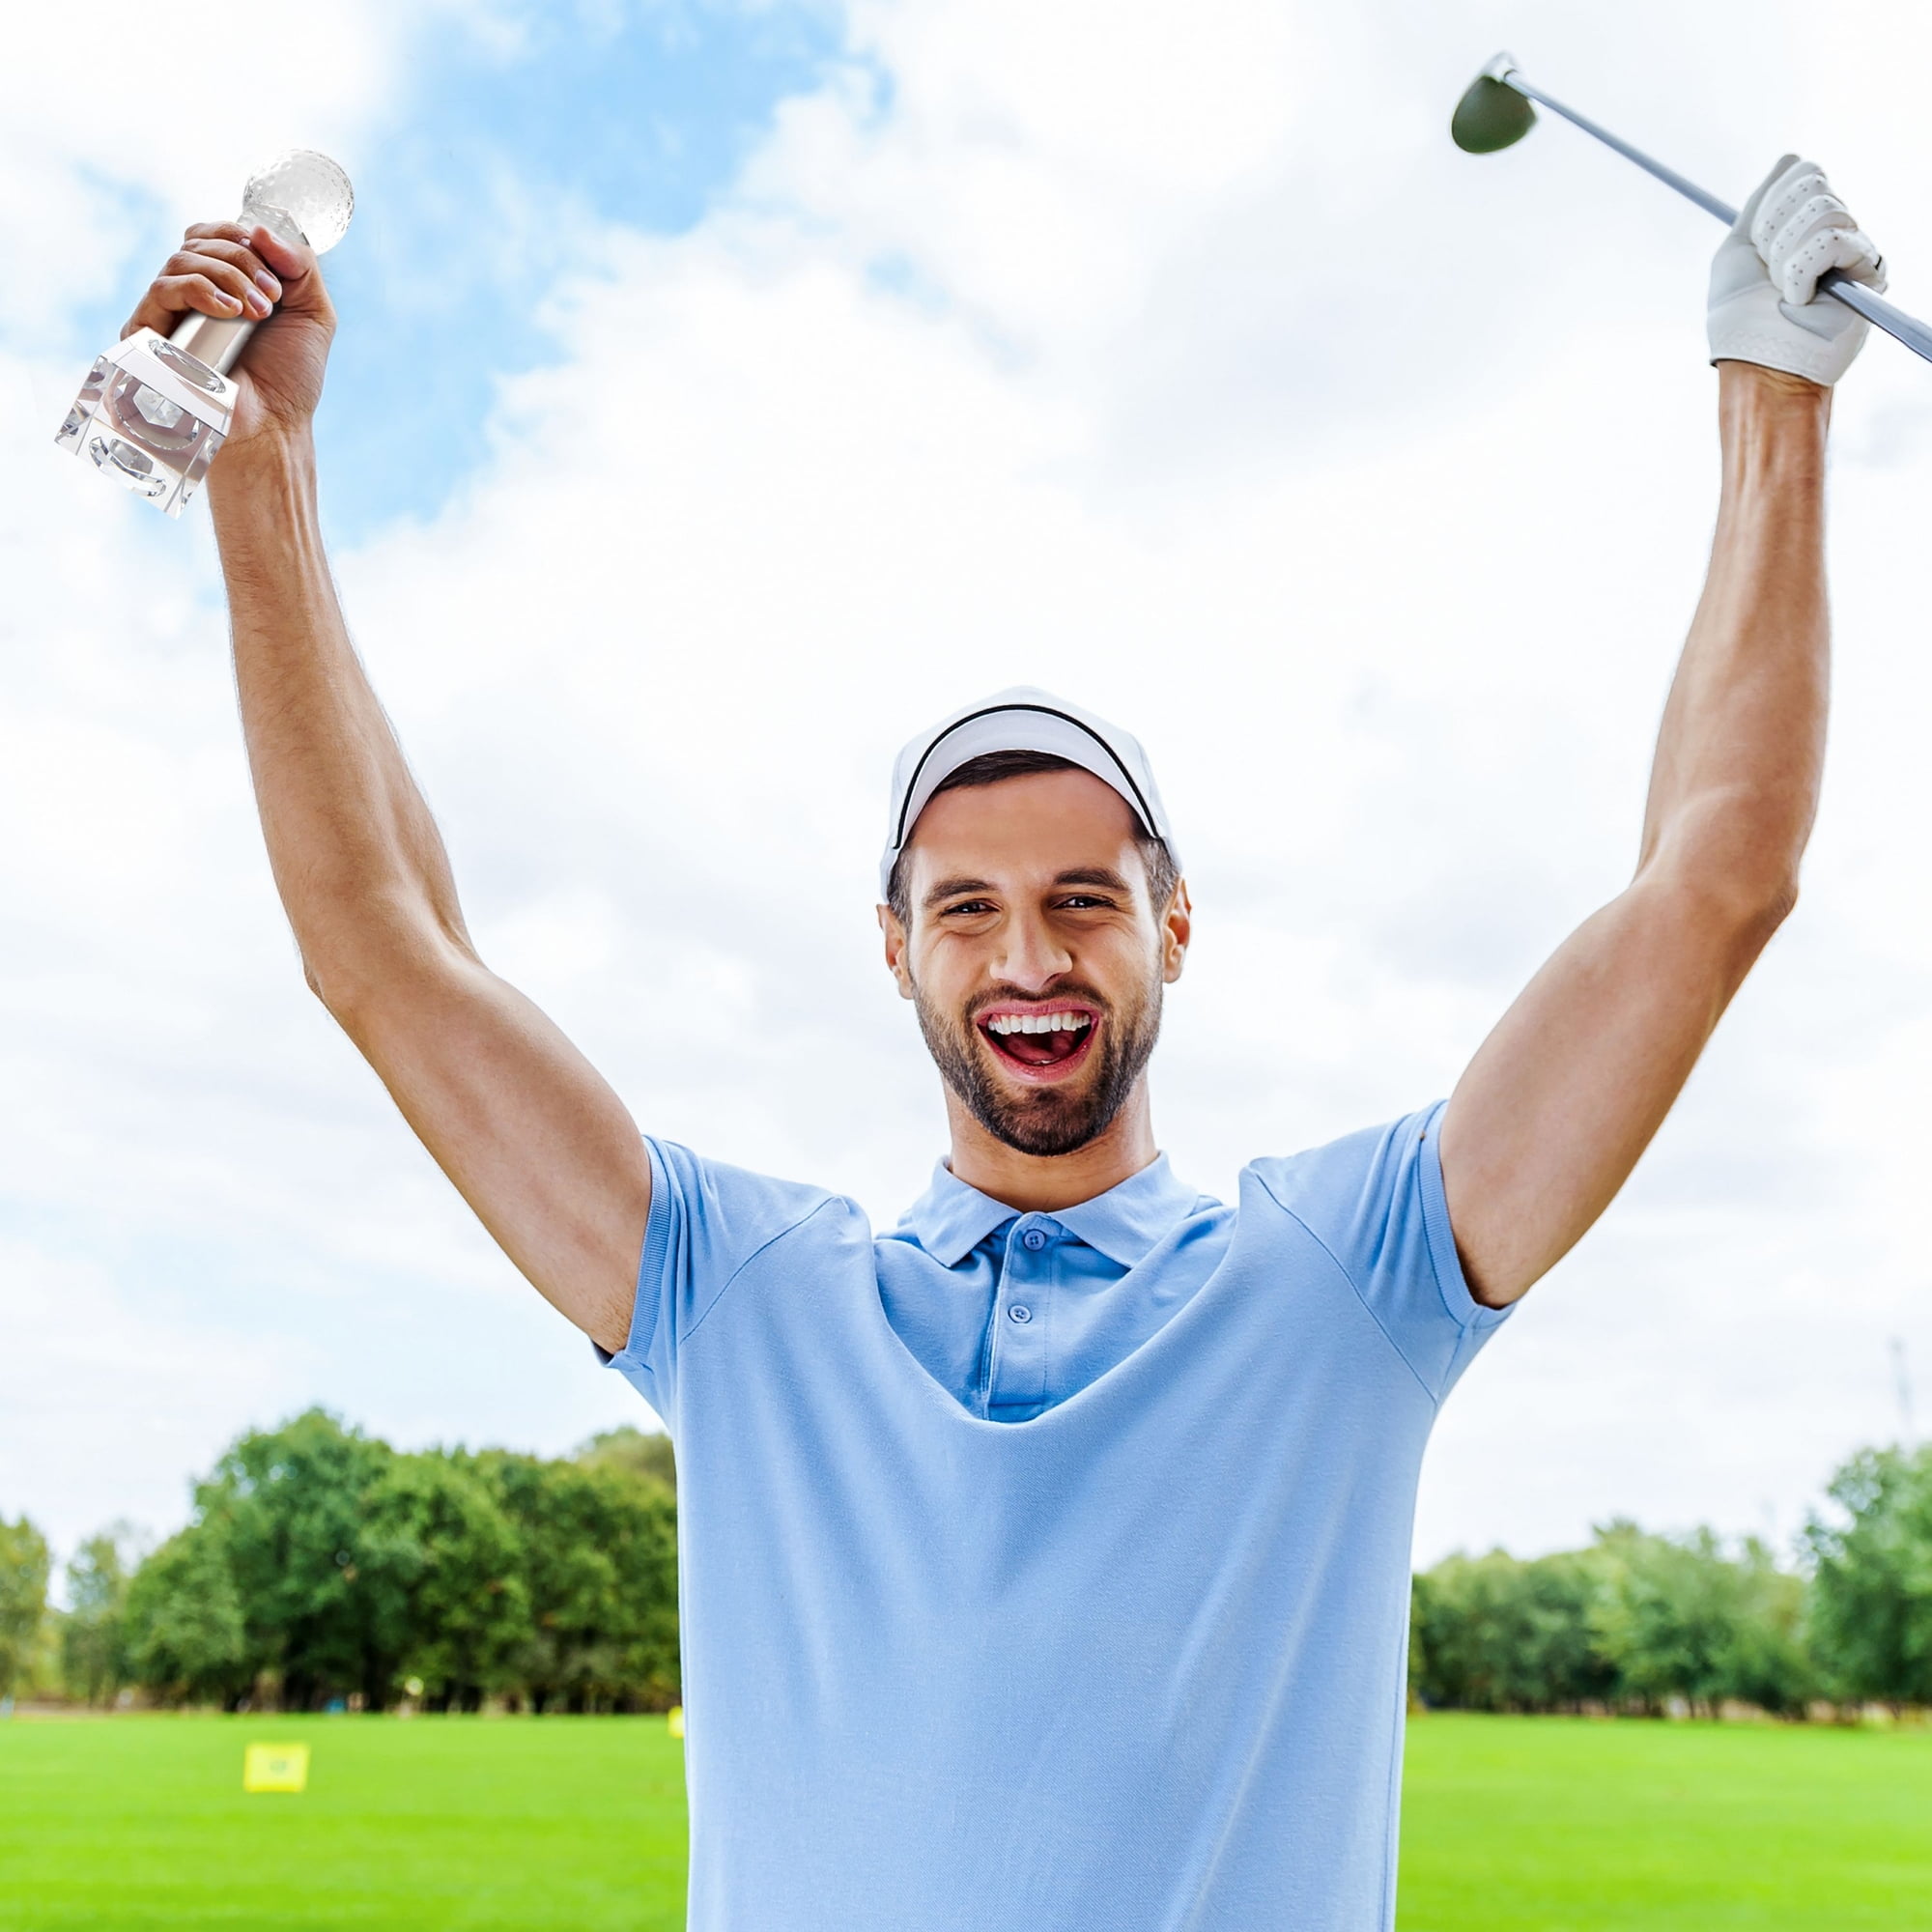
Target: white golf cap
{"x":1020,"y":720}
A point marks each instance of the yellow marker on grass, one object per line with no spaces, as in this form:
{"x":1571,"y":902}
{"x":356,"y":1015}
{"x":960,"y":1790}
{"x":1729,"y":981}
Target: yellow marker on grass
{"x":275,"y":1768}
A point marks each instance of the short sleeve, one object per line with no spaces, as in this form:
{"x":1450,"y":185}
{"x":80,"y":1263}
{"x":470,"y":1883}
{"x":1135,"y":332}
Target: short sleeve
{"x":1374,"y":1201}
{"x":706,"y":1221}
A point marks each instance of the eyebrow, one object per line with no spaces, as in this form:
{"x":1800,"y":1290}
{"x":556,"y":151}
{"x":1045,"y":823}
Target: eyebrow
{"x":948,"y":889}
{"x":1103,"y":877}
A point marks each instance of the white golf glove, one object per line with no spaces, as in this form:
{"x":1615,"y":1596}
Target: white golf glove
{"x":1764,"y":278}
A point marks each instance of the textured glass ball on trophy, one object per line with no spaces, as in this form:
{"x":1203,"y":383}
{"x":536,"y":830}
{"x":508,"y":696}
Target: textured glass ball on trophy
{"x":155,"y":409}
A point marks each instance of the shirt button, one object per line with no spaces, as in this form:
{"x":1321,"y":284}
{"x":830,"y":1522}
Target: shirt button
{"x":1034,"y":1240}
{"x":1019,"y":1312}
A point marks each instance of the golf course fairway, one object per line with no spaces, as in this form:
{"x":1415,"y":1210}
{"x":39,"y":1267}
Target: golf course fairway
{"x":1546,"y":1822}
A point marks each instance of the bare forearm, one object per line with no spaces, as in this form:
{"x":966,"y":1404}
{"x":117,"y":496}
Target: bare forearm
{"x":1735,"y":784}
{"x":355,"y":854}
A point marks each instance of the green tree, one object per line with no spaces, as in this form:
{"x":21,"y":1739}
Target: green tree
{"x":600,"y":1553}
{"x":465,"y":1619}
{"x":1500,"y":1634}
{"x":324,"y":1588}
{"x":1678,"y":1617}
{"x":632,"y":1452}
{"x":358,"y":1567}
{"x":1769,"y":1661}
{"x":1871,"y":1593}
{"x":93,"y":1658}
{"x":186,"y":1635}
{"x":320,"y":1563}
{"x":24,"y":1602}
{"x":1634,"y":1620}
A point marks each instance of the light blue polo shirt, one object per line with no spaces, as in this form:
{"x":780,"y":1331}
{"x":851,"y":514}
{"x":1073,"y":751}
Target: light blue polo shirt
{"x":1050,"y":1572}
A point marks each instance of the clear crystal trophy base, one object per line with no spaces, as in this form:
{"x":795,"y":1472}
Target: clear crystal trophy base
{"x":152,"y":417}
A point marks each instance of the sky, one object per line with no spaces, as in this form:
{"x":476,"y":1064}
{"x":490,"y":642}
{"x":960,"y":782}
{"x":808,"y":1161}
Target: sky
{"x":727,"y":387}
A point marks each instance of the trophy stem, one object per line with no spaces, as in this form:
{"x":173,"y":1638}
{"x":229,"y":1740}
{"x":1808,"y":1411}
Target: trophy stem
{"x":213,"y":340}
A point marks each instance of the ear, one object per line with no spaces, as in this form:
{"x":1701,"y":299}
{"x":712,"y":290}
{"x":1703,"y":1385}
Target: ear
{"x":895,"y":949}
{"x":1177,"y":929}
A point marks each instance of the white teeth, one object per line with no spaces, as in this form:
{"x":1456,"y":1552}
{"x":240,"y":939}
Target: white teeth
{"x":1008,"y":1023}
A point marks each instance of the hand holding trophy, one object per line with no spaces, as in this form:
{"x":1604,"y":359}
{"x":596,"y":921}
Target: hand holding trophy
{"x":156,"y":409}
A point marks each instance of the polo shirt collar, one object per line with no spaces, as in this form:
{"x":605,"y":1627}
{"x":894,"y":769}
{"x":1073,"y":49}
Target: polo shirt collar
{"x":1126,"y":1224}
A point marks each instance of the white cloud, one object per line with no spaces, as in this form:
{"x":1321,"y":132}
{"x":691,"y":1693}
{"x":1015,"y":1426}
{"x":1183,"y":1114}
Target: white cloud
{"x":108,"y":105}
{"x":1183,"y":370}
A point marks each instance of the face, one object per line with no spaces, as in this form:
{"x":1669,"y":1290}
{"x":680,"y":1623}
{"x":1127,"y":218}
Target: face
{"x":1035,"y":956}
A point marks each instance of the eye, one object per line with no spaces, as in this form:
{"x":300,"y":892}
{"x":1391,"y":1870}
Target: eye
{"x":1085,"y":902}
{"x":968,"y":909}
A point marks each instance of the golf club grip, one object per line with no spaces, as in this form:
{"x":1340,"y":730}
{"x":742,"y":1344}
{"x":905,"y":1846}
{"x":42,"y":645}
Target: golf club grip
{"x":1855,"y":296}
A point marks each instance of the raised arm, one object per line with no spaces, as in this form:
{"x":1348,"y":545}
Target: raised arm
{"x":530,"y":1134}
{"x":1563,"y":1097}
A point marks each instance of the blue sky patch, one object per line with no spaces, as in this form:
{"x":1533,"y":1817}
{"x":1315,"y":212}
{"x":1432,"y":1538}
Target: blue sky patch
{"x":475,"y":195}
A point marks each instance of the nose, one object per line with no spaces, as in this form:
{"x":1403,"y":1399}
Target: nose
{"x":1032,"y":957}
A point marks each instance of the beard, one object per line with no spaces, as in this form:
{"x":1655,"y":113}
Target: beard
{"x":1046,"y":1119}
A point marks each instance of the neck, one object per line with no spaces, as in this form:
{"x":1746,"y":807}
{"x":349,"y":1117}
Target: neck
{"x":1036,"y":1183}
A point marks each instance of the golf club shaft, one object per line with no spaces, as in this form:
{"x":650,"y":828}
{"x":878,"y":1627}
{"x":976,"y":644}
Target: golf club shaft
{"x":1855,"y":296}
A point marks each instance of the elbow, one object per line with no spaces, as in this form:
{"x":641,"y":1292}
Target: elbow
{"x":345,"y":988}
{"x":1740,"y":879}
{"x":327,"y":986}
{"x":360,"y":966}
{"x":1738,"y":909}
{"x":1779,"y":902}
{"x":1757,"y":900}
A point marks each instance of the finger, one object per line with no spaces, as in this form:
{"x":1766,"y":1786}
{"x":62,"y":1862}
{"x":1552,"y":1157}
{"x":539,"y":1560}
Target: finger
{"x":295,"y":267}
{"x":171,"y":297}
{"x":1869,"y":266}
{"x":239,"y":255}
{"x":1795,"y":256}
{"x":1748,"y":218}
{"x":227,"y":275}
{"x":1847,"y":249}
{"x":1798,"y":184}
{"x":1807,"y":245}
{"x":215,"y":231}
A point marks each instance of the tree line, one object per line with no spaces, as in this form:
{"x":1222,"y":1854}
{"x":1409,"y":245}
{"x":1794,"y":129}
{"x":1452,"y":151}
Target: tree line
{"x":322,"y":1568}
{"x":1641,"y":1623}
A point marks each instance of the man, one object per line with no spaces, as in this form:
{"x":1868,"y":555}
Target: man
{"x":1045,"y":1560}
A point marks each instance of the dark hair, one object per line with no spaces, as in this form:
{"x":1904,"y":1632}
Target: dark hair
{"x":990,"y":768}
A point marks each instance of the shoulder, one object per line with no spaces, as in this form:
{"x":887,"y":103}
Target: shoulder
{"x":1373,"y":1200}
{"x":1344,"y":1177}
{"x":713,"y":1195}
{"x":709,"y":1220}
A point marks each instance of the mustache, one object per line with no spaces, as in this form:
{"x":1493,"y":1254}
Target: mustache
{"x":1068,"y":989}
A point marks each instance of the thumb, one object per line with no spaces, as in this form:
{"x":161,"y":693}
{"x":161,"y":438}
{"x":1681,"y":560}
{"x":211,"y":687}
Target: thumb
{"x":295,"y":268}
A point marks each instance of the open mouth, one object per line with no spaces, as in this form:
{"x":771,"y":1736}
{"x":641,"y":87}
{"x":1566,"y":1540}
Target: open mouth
{"x":1039,"y":1042}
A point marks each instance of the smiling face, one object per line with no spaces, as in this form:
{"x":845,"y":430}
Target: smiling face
{"x":1035,"y":954}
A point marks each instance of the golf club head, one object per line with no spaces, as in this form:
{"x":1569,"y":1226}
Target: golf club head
{"x":1491,"y":114}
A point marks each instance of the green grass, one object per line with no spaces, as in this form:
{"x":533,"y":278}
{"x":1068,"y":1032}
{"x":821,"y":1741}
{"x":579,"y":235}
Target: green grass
{"x":1510,"y":1824}
{"x":571,"y":1822}
{"x":1567,"y":1825}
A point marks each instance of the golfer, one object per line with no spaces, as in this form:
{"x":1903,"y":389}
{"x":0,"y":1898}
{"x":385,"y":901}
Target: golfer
{"x":1046,"y":1559}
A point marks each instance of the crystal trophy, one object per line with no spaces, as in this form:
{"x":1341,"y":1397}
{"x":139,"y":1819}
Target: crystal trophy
{"x":155,"y":409}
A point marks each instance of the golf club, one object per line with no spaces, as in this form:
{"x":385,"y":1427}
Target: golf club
{"x":1496,"y":112}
